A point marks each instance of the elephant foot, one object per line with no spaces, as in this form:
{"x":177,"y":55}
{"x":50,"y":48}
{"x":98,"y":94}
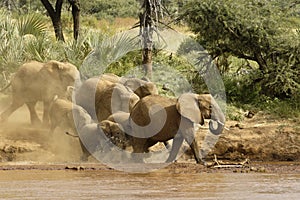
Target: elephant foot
{"x":201,"y":162}
{"x":170,"y":160}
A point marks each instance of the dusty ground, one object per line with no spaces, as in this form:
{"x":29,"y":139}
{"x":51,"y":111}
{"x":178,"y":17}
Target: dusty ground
{"x":270,"y":144}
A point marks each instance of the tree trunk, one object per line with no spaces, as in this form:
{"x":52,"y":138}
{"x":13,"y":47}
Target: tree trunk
{"x":55,"y":15}
{"x":76,"y":15}
{"x":147,"y":62}
{"x":147,"y":34}
{"x":58,"y":29}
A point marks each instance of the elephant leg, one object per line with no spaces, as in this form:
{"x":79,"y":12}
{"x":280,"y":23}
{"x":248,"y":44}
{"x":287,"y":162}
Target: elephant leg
{"x":46,"y":113}
{"x":85,"y":153}
{"x":177,"y":142}
{"x":33,"y":115}
{"x":189,"y":137}
{"x":195,"y":150}
{"x":167,"y":145}
{"x":139,"y":148}
{"x":187,"y":130}
{"x":13,"y":107}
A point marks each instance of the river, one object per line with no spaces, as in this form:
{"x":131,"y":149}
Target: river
{"x":114,"y":185}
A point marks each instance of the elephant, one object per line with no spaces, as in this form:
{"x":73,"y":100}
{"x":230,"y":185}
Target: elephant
{"x":101,"y":96}
{"x":122,"y":118}
{"x":141,"y":87}
{"x":92,"y":136}
{"x":61,"y":114}
{"x":158,"y":119}
{"x":115,"y":98}
{"x":35,"y":81}
{"x":100,"y":137}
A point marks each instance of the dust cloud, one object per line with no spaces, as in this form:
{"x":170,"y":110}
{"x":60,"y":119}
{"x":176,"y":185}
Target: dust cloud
{"x":20,"y":141}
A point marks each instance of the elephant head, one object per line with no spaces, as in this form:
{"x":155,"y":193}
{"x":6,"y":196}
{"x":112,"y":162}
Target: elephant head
{"x":196,"y":108}
{"x":61,"y":76}
{"x":141,"y":87}
{"x":114,"y":133}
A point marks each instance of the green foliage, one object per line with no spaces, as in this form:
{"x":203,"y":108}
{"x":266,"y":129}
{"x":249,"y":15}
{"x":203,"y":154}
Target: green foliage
{"x":109,"y":9}
{"x":107,"y":51}
{"x":234,"y":113}
{"x":27,"y":38}
{"x":32,"y":24}
{"x":239,"y":88}
{"x":16,"y":34}
{"x":258,"y":30}
{"x":173,"y":74}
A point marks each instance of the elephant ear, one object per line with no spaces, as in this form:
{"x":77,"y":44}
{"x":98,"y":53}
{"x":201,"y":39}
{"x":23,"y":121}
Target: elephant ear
{"x":188,"y":106}
{"x":119,"y":94}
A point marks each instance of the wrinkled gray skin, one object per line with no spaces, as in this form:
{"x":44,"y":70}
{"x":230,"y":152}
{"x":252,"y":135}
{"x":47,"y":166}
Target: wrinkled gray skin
{"x":101,"y":96}
{"x":35,"y":81}
{"x":173,"y":120}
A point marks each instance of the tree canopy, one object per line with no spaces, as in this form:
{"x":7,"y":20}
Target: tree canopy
{"x":263,"y":31}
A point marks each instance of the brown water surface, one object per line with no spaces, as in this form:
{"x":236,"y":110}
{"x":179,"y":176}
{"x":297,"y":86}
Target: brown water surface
{"x":111,"y":184}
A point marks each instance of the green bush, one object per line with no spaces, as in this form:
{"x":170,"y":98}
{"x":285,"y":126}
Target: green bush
{"x":262,"y":31}
{"x":109,"y":9}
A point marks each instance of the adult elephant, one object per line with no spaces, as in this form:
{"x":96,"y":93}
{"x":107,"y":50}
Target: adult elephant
{"x":95,"y":94}
{"x":114,"y":98}
{"x":158,"y":119}
{"x":35,"y":81}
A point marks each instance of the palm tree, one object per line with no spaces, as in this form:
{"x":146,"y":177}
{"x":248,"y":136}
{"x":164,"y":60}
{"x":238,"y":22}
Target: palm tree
{"x":149,"y":20}
{"x":15,"y":36}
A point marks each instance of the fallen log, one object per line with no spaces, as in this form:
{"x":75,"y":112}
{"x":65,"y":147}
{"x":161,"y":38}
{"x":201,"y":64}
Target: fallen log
{"x":221,"y":164}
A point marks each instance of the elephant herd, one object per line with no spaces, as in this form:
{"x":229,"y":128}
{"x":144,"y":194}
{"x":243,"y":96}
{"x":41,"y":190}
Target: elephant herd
{"x":109,"y":111}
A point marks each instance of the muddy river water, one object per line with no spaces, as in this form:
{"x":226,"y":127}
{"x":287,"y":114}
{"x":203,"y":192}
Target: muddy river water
{"x":113,"y":185}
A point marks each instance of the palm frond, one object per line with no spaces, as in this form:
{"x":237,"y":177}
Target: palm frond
{"x":109,"y":50}
{"x":31,"y":24}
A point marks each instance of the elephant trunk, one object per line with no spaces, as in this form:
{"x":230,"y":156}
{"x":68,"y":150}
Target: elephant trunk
{"x":218,"y":130}
{"x":217,"y":122}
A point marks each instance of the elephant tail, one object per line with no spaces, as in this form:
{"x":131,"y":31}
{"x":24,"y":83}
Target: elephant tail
{"x":71,"y":134}
{"x":5,"y":87}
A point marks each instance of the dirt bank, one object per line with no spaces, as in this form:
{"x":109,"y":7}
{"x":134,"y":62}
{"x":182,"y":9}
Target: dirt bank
{"x":261,"y":138}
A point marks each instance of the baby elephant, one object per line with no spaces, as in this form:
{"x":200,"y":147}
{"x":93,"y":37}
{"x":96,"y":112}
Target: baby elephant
{"x":60,"y":114}
{"x":100,"y":137}
{"x":92,"y":136}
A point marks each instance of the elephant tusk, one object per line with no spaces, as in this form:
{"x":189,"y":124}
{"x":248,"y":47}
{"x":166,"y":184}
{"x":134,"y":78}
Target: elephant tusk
{"x":219,"y":122}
